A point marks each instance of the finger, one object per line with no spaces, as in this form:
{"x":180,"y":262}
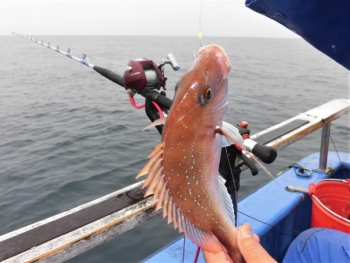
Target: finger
{"x":216,"y":257}
{"x":251,"y":250}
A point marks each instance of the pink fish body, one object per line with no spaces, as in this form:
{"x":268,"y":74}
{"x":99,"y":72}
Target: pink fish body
{"x":183,"y":169}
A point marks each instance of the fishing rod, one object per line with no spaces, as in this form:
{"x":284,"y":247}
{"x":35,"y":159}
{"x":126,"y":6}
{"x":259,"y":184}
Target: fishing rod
{"x":142,"y":76}
{"x":84,"y":60}
{"x":146,"y":78}
{"x":112,"y":76}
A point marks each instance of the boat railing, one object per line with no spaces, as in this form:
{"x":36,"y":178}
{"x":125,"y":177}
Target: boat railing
{"x":68,"y":234}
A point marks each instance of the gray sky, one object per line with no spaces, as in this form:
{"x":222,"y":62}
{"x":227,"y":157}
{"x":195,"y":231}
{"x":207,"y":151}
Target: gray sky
{"x":117,"y":17}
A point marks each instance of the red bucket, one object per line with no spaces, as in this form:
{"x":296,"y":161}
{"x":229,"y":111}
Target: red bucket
{"x":331,"y":204}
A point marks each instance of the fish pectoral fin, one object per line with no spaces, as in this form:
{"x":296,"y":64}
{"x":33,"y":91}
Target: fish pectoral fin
{"x":203,"y":239}
{"x":226,"y":199}
{"x":200,"y":237}
{"x":160,"y":121}
{"x":230,"y":136}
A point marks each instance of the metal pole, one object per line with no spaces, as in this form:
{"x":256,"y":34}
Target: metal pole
{"x":326,"y":130}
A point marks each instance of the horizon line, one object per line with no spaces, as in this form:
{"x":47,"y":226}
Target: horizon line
{"x":124,"y":35}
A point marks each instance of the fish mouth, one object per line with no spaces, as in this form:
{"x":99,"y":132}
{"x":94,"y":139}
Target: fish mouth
{"x":220,"y":53}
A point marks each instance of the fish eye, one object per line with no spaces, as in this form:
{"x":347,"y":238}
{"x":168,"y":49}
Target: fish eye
{"x":208,"y":94}
{"x":205,"y":96}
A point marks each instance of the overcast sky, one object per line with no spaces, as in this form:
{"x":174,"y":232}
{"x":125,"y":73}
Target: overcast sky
{"x":117,"y":17}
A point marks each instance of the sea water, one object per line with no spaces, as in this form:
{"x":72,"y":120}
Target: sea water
{"x":69,"y":136}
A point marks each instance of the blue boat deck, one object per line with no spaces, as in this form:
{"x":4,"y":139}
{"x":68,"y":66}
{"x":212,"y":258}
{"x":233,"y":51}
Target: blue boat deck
{"x":276,"y":215}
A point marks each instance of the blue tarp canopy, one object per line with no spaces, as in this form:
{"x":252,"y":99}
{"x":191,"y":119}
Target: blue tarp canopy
{"x":325,"y":24}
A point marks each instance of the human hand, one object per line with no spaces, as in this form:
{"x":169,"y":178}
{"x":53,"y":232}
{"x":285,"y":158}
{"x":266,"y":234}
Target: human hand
{"x":248,"y":245}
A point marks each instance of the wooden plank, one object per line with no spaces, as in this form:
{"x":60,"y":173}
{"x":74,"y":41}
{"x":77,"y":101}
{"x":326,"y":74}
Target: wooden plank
{"x":78,"y":241}
{"x":23,"y":239}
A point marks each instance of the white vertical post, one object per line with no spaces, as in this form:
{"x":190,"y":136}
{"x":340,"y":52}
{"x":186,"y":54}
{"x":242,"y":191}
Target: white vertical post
{"x":326,"y":130}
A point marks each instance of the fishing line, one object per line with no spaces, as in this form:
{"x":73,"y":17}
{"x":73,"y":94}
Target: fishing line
{"x":256,"y":219}
{"x":236,"y":192}
{"x":201,"y":15}
{"x":228,"y":160}
{"x":183,"y":251}
{"x":234,"y":184}
{"x":219,"y":5}
{"x":287,"y":231}
{"x":270,"y":105}
{"x":273,"y":226}
{"x":309,"y":239}
{"x":290,"y":230}
{"x":293,"y":112}
{"x":200,"y":33}
{"x":336,"y":150}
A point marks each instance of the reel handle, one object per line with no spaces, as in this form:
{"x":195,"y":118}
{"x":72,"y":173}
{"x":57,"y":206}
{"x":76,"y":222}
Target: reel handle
{"x":172,"y":61}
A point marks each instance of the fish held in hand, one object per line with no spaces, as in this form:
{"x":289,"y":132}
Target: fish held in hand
{"x":182,"y":172}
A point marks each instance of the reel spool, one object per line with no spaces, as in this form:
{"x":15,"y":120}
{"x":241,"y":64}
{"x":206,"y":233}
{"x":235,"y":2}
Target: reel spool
{"x":143,"y":74}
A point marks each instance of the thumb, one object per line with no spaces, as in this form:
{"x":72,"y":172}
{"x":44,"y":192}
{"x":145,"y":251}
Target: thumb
{"x":251,"y":250}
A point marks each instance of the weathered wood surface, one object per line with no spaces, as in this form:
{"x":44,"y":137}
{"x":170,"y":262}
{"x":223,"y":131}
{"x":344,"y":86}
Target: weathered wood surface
{"x":82,"y":239}
{"x":18,"y":241}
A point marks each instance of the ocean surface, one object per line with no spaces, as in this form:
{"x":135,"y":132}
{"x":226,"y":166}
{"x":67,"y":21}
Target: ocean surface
{"x":69,"y":136}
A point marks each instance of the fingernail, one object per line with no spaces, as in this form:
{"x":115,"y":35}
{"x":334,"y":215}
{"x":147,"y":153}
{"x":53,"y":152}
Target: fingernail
{"x":245,"y":232}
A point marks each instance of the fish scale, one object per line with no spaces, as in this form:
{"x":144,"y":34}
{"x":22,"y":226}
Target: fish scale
{"x":182,"y":172}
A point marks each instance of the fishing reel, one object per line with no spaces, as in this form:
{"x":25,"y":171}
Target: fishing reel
{"x":144,"y":74}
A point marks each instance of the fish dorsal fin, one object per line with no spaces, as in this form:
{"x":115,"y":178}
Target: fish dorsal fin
{"x":161,"y":194}
{"x":160,"y":121}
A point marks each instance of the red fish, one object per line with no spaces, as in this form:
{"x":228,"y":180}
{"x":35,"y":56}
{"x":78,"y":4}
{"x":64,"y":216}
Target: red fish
{"x":183,"y":168}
